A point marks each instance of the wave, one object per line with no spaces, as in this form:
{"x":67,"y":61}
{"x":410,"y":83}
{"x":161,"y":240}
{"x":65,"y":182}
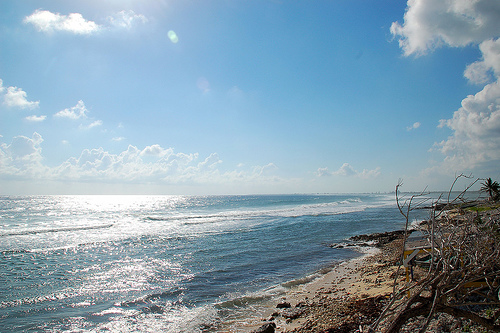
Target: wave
{"x":44,"y":231}
{"x":142,"y":239}
{"x":301,"y":281}
{"x":36,"y":300}
{"x":148,"y":299}
{"x":343,"y":206}
{"x":243,"y":301}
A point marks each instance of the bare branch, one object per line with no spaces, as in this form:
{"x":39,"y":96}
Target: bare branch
{"x":464,"y":266}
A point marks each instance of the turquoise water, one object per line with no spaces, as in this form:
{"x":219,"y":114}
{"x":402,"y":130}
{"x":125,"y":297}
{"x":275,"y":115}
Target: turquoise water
{"x":167,"y":263}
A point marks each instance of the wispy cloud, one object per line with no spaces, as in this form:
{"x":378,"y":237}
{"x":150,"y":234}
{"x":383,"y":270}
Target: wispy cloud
{"x":35,"y":119}
{"x":126,"y":19}
{"x":414,"y":126}
{"x":346,"y":170}
{"x":93,"y":124}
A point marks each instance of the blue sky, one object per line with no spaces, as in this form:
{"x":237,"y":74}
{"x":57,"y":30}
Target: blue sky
{"x":237,"y":97}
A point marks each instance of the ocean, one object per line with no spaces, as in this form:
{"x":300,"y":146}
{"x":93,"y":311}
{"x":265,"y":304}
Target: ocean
{"x":169,"y":263}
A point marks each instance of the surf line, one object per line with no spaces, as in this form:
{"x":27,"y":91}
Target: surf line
{"x":43,"y":231}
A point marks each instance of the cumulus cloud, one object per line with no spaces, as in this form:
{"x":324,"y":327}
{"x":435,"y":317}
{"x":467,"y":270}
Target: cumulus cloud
{"x":46,"y":21}
{"x":475,"y":141}
{"x":346,"y":170}
{"x":22,"y":158}
{"x":156,"y":150}
{"x":476,"y":130}
{"x":126,"y":19}
{"x":16,"y":97}
{"x":488,"y":68}
{"x":76,"y":112}
{"x":75,"y":23}
{"x":152,"y":164}
{"x":429,"y":24}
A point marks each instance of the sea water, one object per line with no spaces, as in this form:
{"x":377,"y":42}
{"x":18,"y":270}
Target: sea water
{"x":168,"y":263}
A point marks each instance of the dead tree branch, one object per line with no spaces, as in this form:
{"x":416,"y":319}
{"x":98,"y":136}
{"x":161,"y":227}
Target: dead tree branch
{"x":463,"y":274}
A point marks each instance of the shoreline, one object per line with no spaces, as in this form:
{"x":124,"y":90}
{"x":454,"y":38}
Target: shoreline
{"x":330,"y":300}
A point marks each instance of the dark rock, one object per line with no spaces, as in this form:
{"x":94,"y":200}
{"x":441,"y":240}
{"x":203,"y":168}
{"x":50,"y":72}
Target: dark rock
{"x":292,"y":314}
{"x":283,"y":305}
{"x":266,"y":328}
{"x":153,"y":309}
{"x":301,"y":305}
{"x":380,"y":238}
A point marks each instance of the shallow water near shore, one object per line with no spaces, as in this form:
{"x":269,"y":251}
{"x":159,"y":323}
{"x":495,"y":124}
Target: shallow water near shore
{"x":169,"y":263}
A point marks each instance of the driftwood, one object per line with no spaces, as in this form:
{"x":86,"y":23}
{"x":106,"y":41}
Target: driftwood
{"x":462,"y":277}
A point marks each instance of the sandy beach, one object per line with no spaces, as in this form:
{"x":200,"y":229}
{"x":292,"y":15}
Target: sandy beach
{"x":351,"y":294}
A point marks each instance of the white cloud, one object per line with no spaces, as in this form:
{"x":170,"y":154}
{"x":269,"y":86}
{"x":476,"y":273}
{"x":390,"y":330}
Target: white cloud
{"x":488,"y":67}
{"x":266,"y":170}
{"x":414,"y":126}
{"x":76,"y":112}
{"x":23,"y":157}
{"x":126,"y":19}
{"x":151,"y":165}
{"x":369,"y":174}
{"x":79,"y":111}
{"x":429,"y":24}
{"x":476,"y":131}
{"x":346,"y":170}
{"x":323,"y":172}
{"x":475,"y":141}
{"x":46,"y":21}
{"x":156,"y":150}
{"x":35,"y":119}
{"x":22,"y":146}
{"x":91,"y":125}
{"x":16,"y":97}
{"x":118,"y":138}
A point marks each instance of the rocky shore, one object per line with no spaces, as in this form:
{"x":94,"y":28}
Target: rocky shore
{"x":353,"y":295}
{"x":348,"y":298}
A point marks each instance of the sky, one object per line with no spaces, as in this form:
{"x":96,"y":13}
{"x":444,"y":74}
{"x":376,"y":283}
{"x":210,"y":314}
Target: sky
{"x":247,"y":97}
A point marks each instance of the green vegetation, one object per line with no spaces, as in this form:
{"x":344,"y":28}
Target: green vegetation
{"x":492,"y":188}
{"x":480,"y":209}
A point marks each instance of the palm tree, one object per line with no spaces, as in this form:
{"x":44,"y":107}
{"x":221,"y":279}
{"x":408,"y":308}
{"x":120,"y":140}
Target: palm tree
{"x":491,"y":187}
